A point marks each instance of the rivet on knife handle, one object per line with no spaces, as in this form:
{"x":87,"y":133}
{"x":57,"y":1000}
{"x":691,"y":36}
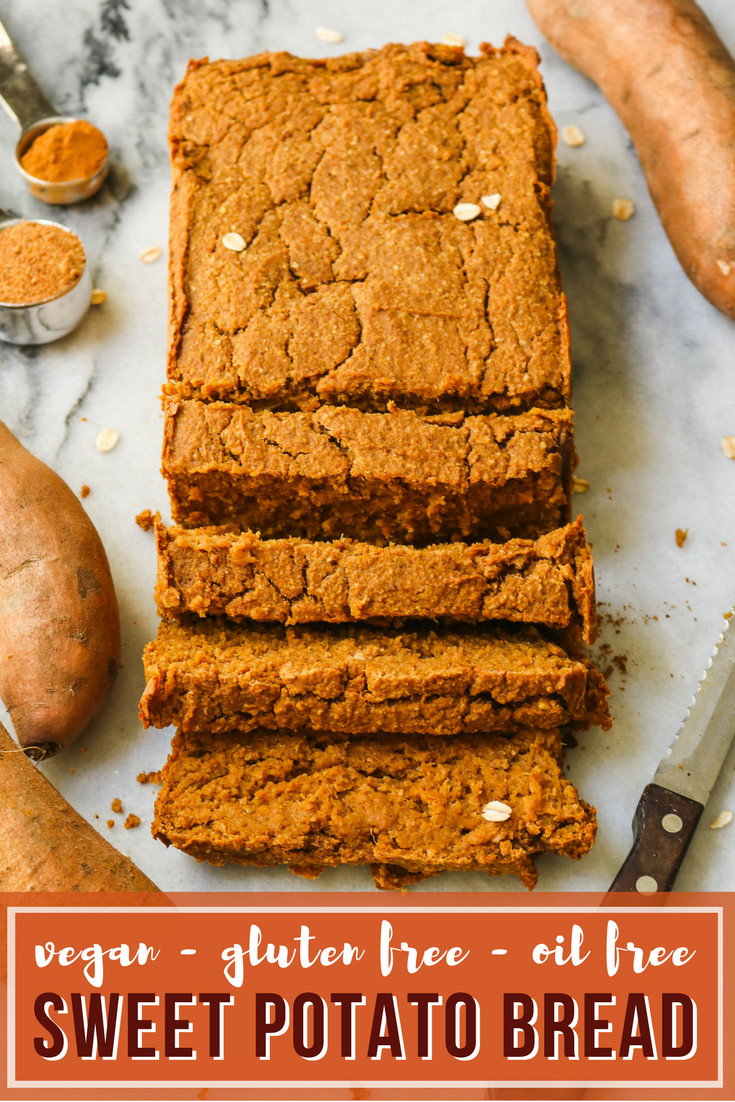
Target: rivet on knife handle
{"x":663,"y":827}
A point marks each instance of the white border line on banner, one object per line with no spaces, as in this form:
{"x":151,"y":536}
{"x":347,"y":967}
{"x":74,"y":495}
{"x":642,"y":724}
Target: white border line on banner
{"x":255,"y":1084}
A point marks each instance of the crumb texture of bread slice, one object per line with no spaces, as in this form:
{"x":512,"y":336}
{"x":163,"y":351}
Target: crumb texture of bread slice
{"x":316,"y":256}
{"x":382,"y":477}
{"x":238,"y":574}
{"x":212,"y":675}
{"x":410,"y":804}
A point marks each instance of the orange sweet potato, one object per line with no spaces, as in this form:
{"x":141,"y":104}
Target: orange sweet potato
{"x":59,"y":622}
{"x":45,"y":846}
{"x":664,"y":70}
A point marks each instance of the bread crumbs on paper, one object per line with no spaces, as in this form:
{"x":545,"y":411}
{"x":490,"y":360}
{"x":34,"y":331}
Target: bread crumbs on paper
{"x":116,"y":805}
{"x":154,"y":777}
{"x":132,"y":822}
{"x":723,"y":819}
{"x":145,"y":520}
{"x":110,"y":823}
{"x":85,"y":491}
{"x":580,"y":485}
{"x":681,"y":535}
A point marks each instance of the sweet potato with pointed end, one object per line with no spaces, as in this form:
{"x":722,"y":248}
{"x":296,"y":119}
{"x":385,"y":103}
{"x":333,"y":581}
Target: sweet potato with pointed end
{"x":672,"y":82}
{"x":45,"y":846}
{"x":59,"y":622}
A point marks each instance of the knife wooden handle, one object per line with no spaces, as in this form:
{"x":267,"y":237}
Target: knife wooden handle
{"x":663,"y":827}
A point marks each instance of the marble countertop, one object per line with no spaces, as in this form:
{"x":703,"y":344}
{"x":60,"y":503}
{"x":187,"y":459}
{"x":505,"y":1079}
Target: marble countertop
{"x":654,"y":392}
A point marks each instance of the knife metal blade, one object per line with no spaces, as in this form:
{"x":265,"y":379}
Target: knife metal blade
{"x":693,"y":761}
{"x":670,"y":807}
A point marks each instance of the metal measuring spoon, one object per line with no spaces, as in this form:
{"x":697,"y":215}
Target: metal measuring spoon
{"x":28,"y":107}
{"x":41,"y":322}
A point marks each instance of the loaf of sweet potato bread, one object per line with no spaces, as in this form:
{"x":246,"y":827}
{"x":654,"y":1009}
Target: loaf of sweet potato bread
{"x":368,"y":385}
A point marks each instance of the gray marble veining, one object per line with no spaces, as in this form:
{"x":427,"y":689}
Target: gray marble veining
{"x":654,"y":393}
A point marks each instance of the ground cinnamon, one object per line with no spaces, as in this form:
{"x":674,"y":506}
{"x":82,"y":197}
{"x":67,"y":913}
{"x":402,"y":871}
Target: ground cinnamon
{"x":38,"y":262}
{"x":68,"y":151}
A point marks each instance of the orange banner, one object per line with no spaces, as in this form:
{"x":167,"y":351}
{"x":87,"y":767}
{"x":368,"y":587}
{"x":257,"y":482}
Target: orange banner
{"x":303,"y":994}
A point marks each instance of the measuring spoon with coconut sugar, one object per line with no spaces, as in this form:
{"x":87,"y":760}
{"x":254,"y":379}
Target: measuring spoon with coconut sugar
{"x":57,"y":313}
{"x":34,"y":114}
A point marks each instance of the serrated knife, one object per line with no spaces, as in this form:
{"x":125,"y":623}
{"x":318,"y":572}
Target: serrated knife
{"x":671,"y":806}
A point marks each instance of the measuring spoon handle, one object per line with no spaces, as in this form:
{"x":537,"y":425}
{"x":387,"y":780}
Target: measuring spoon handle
{"x":19,"y":94}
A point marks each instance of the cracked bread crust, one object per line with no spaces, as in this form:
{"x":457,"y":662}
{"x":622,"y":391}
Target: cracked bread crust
{"x":411,"y":808}
{"x":380,"y":477}
{"x":226,"y":572}
{"x":214,"y":676}
{"x":357,"y":284}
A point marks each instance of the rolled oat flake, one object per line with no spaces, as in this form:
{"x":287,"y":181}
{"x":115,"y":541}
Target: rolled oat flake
{"x":107,"y":440}
{"x":234,"y":242}
{"x":467,"y":211}
{"x":496,"y":811}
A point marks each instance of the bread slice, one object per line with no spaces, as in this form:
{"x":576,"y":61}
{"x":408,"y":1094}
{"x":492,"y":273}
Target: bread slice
{"x":215,"y":676}
{"x":380,"y":477}
{"x":410,"y":806}
{"x":238,"y":574}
